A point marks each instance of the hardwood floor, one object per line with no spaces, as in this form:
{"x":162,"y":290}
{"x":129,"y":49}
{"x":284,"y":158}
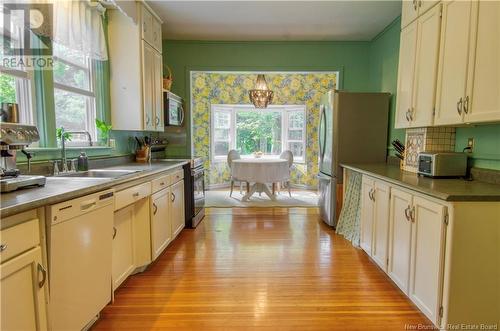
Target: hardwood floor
{"x":264,"y":269}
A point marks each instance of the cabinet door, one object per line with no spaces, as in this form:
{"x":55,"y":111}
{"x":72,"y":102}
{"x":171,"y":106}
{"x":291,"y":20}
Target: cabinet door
{"x":177,"y":208}
{"x":22,"y":284}
{"x":147,"y":85}
{"x":161,"y":227}
{"x":158,"y":91}
{"x":147,"y":24}
{"x":427,"y":256}
{"x":366,"y":235}
{"x":399,"y":238}
{"x":381,"y":224}
{"x":452,"y":71}
{"x":429,"y":27}
{"x":409,"y":12}
{"x":123,"y":245}
{"x":425,"y":5}
{"x":483,"y":87}
{"x":156,"y":35}
{"x":406,"y":71}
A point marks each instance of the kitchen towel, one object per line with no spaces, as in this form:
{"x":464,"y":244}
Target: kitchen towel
{"x":349,"y":224}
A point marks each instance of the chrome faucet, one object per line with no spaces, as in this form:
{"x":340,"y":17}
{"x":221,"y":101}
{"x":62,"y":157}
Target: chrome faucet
{"x":63,"y":146}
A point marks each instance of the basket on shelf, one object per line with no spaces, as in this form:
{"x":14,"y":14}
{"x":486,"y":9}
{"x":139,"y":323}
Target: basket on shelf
{"x":167,"y":81}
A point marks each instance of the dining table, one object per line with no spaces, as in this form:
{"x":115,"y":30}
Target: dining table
{"x":260,"y":172}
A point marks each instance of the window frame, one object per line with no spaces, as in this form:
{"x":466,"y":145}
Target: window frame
{"x":284,"y":110}
{"x":90,"y":94}
{"x":25,"y":97}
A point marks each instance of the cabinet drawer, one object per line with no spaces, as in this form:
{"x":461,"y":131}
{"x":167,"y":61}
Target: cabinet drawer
{"x":132,"y":194}
{"x":160,"y":183}
{"x":177,"y":176}
{"x":18,"y":239}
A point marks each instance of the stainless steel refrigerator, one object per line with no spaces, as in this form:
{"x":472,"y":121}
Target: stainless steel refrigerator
{"x":352,"y":129}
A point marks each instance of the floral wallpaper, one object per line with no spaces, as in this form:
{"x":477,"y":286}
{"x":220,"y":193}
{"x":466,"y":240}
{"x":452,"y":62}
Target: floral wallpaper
{"x":209,"y":88}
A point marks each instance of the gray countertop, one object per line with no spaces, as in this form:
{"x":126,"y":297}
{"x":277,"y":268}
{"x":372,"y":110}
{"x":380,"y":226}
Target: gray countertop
{"x":444,"y":189}
{"x":59,"y":189}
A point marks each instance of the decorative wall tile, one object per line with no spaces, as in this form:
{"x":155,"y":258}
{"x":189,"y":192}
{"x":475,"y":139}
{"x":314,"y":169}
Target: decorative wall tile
{"x":232,"y":88}
{"x":432,"y":139}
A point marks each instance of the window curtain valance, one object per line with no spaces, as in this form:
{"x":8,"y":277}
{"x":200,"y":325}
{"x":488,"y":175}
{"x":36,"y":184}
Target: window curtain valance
{"x":78,"y":25}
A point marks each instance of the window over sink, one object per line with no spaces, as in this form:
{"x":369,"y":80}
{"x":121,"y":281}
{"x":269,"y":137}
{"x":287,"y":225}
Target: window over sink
{"x":248,"y":130}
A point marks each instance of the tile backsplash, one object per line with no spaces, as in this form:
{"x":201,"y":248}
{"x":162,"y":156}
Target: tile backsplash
{"x":435,"y":139}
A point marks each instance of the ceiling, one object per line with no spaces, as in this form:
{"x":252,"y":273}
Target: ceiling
{"x":274,"y":20}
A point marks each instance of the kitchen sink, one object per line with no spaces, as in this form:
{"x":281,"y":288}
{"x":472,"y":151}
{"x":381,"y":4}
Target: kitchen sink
{"x":98,"y":173}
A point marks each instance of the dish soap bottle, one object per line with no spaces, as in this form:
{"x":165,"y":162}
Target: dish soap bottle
{"x":83,"y":162}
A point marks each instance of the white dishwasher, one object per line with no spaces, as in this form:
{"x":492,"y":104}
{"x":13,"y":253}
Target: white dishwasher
{"x":80,"y":237}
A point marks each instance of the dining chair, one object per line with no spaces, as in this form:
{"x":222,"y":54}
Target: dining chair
{"x":231,"y":156}
{"x":288,"y":155}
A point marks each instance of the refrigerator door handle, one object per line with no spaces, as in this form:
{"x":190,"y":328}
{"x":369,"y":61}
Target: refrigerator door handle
{"x":322,"y":140}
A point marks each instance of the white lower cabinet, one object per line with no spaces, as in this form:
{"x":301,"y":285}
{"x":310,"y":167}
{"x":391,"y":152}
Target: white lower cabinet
{"x":399,"y":238}
{"x":177,"y":207}
{"x":123,"y":245}
{"x":23,"y":274}
{"x":404,"y":233}
{"x":23,"y":292}
{"x":417,"y":230}
{"x":161,"y":222}
{"x":367,"y":207}
{"x":427,"y":254}
{"x":375,"y":220}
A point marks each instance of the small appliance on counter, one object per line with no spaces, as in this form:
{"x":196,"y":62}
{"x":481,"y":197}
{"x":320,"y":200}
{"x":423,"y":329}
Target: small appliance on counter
{"x":14,"y":137}
{"x":442,"y":164}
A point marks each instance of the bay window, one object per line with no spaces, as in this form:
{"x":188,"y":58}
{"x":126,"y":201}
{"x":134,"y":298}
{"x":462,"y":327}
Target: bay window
{"x":248,"y":130}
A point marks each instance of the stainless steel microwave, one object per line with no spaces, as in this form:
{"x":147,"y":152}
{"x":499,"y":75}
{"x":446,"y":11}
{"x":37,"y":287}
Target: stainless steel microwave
{"x":442,"y":164}
{"x":173,"y":109}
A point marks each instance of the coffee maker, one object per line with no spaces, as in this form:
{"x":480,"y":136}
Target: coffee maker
{"x":15,"y":137}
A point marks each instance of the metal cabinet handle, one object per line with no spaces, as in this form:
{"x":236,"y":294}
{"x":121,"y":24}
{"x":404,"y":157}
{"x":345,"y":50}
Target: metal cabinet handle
{"x":412,"y":214}
{"x":414,"y":4}
{"x":173,"y":197}
{"x":459,"y":106}
{"x":420,"y":3}
{"x":407,"y":213}
{"x":42,"y":270}
{"x":466,"y":105}
{"x":412,"y":112}
{"x":3,"y":247}
{"x":408,"y":115}
{"x":135,"y":195}
{"x":157,"y":120}
{"x":155,"y":208}
{"x":373,"y":195}
{"x":114,"y":232}
{"x":147,"y":119}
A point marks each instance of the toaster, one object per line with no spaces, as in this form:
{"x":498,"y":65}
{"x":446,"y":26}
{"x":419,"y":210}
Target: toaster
{"x":442,"y":164}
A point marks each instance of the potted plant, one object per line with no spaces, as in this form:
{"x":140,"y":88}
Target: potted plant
{"x":59,"y":135}
{"x":103,"y":134}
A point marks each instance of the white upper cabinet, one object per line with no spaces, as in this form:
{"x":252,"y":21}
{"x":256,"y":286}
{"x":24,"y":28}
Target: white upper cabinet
{"x":452,"y":73}
{"x":136,"y":71}
{"x":418,"y":59}
{"x":411,"y":9}
{"x":408,"y":46}
{"x":483,"y":88}
{"x":429,"y":26}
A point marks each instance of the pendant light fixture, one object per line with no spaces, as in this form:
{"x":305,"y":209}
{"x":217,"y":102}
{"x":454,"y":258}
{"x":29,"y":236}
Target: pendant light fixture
{"x":261,"y":96}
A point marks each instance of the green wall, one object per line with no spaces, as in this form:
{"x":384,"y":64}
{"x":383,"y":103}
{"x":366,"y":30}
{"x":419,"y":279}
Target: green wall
{"x":383,"y":64}
{"x":350,"y":58}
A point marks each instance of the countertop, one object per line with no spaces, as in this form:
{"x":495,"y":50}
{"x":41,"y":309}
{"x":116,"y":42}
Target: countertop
{"x":59,"y":189}
{"x":444,"y":189}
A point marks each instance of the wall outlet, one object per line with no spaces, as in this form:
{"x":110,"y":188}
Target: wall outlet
{"x":470,"y":144}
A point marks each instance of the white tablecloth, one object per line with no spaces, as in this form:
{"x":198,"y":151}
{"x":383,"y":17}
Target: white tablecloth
{"x":261,"y":170}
